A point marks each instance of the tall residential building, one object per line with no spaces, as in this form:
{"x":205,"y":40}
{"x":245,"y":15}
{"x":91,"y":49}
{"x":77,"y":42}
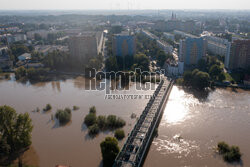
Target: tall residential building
{"x":85,"y":46}
{"x":217,"y":46}
{"x":124,"y":44}
{"x":168,"y":49}
{"x":191,"y":50}
{"x":239,"y":57}
{"x":16,"y":38}
{"x":169,"y":36}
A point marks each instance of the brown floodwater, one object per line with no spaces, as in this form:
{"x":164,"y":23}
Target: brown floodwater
{"x":190,"y":128}
{"x":192,"y":125}
{"x":71,"y":144}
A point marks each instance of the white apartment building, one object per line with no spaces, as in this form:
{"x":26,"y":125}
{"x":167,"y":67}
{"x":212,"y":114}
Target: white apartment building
{"x":16,"y":38}
{"x":150,"y":35}
{"x":169,"y":36}
{"x":168,"y":49}
{"x":218,"y":46}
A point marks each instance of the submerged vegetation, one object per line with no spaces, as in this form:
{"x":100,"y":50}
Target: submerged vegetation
{"x":93,"y":130}
{"x":90,"y":119}
{"x":95,"y":124}
{"x":76,"y":108}
{"x":110,"y":150}
{"x":119,"y":134}
{"x":48,"y":107}
{"x":64,"y":116}
{"x":230,"y":154}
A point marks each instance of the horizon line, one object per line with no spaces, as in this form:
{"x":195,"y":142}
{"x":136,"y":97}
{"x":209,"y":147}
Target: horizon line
{"x":116,"y":9}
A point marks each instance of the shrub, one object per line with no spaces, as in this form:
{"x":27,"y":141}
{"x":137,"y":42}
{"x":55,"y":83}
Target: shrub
{"x":223,"y":147}
{"x":110,"y":150}
{"x":92,"y":110}
{"x":233,"y":154}
{"x":114,"y":122}
{"x":94,"y":129}
{"x":20,"y":72}
{"x":111,"y":121}
{"x":64,"y":116}
{"x":120,"y":122}
{"x":230,"y":154}
{"x":101,"y":121}
{"x":47,"y":108}
{"x":76,"y":108}
{"x":67,"y":110}
{"x":119,"y":134}
{"x":90,"y":119}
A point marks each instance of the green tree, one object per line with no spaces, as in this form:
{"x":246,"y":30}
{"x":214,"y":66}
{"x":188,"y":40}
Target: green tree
{"x":201,"y":80}
{"x":90,"y":119}
{"x":202,"y":64}
{"x":64,"y":116}
{"x":101,"y":121}
{"x":20,"y":72}
{"x":15,"y":131}
{"x":141,"y":61}
{"x":93,"y":130}
{"x":119,"y":134}
{"x":111,"y":63}
{"x":187,"y":76}
{"x":221,"y":76}
{"x":92,"y":110}
{"x":215,"y":70}
{"x":161,"y":57}
{"x":110,"y":150}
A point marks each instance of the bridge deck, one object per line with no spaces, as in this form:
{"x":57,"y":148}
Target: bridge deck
{"x":135,"y":147}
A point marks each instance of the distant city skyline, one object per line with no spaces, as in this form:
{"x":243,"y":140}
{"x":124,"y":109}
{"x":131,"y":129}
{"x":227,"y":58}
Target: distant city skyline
{"x":121,"y":4}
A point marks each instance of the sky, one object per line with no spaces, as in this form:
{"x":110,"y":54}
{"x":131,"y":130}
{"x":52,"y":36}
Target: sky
{"x":122,"y":4}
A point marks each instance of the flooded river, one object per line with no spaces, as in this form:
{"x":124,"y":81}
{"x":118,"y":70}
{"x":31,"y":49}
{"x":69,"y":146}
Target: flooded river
{"x":68,"y":145}
{"x":190,"y":128}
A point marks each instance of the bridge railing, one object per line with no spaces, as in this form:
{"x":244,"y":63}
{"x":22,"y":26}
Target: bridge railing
{"x":154,"y":108}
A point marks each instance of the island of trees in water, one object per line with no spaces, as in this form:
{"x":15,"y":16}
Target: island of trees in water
{"x":99,"y":123}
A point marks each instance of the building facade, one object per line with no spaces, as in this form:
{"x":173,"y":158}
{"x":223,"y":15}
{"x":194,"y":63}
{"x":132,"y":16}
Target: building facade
{"x":239,"y":57}
{"x":169,"y":36}
{"x":168,"y":49}
{"x":85,"y":46}
{"x":16,"y":38}
{"x":192,"y":50}
{"x":217,"y":46}
{"x":5,"y":61}
{"x":124,"y":45}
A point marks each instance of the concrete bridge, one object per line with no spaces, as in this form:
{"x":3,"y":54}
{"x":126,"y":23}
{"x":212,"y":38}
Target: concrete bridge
{"x":136,"y":147}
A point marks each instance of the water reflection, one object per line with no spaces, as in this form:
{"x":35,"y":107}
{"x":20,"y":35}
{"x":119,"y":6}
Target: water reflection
{"x":175,"y":145}
{"x":192,"y":126}
{"x":56,"y":86}
{"x":177,"y":111}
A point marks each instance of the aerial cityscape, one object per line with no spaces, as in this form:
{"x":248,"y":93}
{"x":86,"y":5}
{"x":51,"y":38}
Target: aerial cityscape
{"x":124,"y":83}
